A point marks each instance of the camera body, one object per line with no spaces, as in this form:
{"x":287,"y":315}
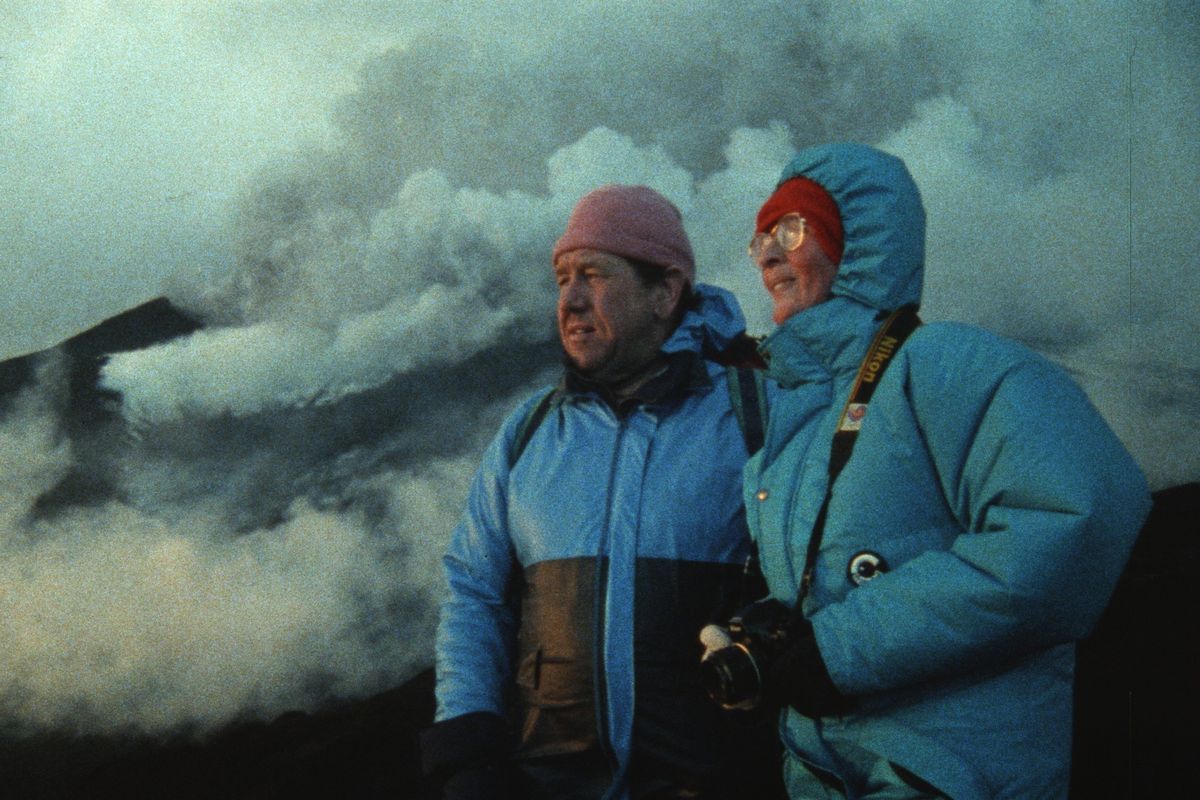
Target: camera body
{"x":735,"y":676}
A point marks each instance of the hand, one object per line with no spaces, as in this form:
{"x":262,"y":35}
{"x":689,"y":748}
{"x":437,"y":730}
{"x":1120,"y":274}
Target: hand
{"x":468,"y":757}
{"x":799,"y":678}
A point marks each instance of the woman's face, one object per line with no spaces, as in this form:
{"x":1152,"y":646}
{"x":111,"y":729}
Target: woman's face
{"x":795,"y":279}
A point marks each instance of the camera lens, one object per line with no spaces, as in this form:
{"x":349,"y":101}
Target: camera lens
{"x":731,"y":677}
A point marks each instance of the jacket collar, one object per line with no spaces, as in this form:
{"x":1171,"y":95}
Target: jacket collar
{"x":675,"y":376}
{"x":828,"y":339}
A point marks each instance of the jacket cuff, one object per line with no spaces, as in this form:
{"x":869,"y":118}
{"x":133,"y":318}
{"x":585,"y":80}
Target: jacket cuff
{"x":460,"y":742}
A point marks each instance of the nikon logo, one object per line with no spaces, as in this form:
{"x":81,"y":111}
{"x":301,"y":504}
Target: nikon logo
{"x":885,"y":350}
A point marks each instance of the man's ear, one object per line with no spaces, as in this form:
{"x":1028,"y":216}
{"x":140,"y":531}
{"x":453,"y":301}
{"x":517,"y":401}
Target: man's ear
{"x":669,"y":292}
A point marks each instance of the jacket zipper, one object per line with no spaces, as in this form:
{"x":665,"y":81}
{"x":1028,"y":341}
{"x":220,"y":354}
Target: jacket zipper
{"x":601,"y":623}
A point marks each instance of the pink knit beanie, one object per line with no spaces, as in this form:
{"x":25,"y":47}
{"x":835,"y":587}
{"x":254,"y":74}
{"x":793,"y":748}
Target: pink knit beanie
{"x":631,"y":221}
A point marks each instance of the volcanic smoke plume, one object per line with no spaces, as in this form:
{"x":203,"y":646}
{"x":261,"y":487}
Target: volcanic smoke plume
{"x":241,"y":509}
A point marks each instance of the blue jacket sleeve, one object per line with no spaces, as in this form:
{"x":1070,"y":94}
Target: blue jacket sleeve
{"x":476,"y":628}
{"x":1044,"y":504}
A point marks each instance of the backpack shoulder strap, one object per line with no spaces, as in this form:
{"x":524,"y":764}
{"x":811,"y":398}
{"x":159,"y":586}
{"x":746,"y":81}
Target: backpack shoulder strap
{"x":530,"y":424}
{"x":748,"y":398}
{"x":747,"y":395}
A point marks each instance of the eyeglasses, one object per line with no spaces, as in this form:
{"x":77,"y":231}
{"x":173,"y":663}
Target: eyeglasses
{"x":788,"y":233}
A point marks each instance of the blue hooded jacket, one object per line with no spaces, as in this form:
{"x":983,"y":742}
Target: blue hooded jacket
{"x":1001,"y":504}
{"x":625,"y":534}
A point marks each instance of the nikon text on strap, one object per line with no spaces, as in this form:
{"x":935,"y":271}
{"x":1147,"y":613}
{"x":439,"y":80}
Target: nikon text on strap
{"x":883,"y":348}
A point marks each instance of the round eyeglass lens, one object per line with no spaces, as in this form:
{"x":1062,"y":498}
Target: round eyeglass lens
{"x":788,"y":232}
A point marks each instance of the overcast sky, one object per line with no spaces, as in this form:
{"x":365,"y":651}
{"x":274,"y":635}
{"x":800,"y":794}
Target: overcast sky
{"x":327,"y":184}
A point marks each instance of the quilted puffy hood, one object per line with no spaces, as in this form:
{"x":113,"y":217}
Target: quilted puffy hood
{"x":883,"y":265}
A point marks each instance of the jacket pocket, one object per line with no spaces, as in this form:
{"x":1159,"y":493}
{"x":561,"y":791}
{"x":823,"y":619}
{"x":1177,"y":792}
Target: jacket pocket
{"x":546,"y":679}
{"x":556,"y":713}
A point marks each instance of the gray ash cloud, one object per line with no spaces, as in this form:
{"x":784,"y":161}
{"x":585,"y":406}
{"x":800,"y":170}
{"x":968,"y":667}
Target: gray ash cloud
{"x":247,"y":517}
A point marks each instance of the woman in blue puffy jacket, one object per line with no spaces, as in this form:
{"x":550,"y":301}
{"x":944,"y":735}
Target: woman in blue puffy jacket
{"x":975,"y":533}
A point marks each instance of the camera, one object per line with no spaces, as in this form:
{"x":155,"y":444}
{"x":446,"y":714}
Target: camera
{"x":734,"y":675}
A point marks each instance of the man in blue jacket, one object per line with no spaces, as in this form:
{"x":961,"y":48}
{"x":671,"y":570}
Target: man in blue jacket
{"x":981,"y":516}
{"x":604,"y":527}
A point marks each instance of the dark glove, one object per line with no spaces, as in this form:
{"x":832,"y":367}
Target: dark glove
{"x":468,"y":757}
{"x":798,"y":677}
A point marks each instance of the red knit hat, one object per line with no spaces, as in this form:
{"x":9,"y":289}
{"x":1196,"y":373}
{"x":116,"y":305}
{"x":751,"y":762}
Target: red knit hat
{"x":630,"y":221}
{"x":818,"y":208}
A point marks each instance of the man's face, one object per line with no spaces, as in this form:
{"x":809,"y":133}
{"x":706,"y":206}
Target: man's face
{"x":611,"y":324}
{"x":796,"y":279}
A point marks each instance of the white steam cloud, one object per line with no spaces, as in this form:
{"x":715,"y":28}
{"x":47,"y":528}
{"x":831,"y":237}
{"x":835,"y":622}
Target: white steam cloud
{"x":250,"y":517}
{"x":117,"y":618}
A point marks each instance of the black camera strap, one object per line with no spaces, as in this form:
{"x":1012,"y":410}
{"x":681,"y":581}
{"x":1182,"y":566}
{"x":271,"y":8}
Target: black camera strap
{"x":892,"y":334}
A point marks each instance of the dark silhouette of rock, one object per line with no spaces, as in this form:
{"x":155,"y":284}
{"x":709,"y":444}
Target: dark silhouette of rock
{"x":363,"y":749}
{"x":1137,"y":692}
